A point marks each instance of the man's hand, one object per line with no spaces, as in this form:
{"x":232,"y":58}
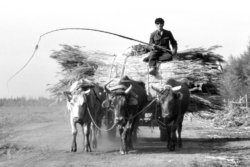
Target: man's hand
{"x":174,"y":52}
{"x":153,"y":47}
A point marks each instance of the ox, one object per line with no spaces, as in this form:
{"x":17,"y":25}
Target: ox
{"x":174,"y":100}
{"x":128,"y":98}
{"x":84,"y":104}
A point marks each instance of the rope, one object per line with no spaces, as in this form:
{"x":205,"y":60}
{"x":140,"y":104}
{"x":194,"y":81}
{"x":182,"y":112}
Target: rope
{"x":96,"y":124}
{"x":94,"y":120}
{"x":157,"y":120}
{"x":143,"y":109}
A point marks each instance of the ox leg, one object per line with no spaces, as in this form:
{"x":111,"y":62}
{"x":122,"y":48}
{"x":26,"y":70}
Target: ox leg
{"x":172,"y":138}
{"x":120,"y":128}
{"x":132,"y":136}
{"x":83,"y":140}
{"x":74,"y":133}
{"x":179,"y":132}
{"x":135,"y":130}
{"x":129,"y":139}
{"x":168,"y":128}
{"x":93,"y":136}
{"x":123,"y":133}
{"x":86,"y":128}
{"x":174,"y":127}
{"x":99,"y":133}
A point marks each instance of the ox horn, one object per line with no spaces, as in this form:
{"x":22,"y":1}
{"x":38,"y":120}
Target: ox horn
{"x":156,"y":89}
{"x":87,"y":91}
{"x":107,"y":89}
{"x":176,"y":88}
{"x":127,"y":91}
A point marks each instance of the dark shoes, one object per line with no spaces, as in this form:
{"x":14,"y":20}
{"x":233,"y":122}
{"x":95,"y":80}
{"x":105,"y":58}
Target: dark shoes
{"x":153,"y":71}
{"x":146,"y":59}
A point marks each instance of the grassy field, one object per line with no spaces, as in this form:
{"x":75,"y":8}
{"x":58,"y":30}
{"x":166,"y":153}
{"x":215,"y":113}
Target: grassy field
{"x":41,"y":136}
{"x":12,"y":116}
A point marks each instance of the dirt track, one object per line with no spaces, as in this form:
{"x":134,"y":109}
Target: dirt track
{"x":48,"y":144}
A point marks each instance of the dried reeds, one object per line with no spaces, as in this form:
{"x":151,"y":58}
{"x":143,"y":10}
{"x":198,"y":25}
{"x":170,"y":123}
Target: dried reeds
{"x":199,"y":68}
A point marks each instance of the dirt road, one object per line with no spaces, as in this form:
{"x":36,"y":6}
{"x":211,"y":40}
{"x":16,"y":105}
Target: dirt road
{"x":48,"y":144}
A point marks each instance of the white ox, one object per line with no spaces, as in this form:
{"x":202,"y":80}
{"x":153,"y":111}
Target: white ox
{"x":84,"y":105}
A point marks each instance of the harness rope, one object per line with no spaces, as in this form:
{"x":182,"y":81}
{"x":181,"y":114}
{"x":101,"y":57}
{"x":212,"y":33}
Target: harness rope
{"x":96,"y":124}
{"x":91,"y":115}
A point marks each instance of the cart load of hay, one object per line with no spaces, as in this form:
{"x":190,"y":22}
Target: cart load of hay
{"x":199,"y":68}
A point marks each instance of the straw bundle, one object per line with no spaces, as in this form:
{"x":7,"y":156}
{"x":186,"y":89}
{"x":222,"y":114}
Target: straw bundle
{"x":198,"y":68}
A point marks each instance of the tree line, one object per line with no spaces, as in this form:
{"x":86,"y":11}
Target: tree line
{"x":23,"y":102}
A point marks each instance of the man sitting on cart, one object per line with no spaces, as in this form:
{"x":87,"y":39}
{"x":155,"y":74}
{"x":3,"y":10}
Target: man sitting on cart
{"x":160,"y":50}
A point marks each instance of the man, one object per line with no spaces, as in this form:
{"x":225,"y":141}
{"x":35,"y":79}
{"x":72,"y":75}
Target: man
{"x":160,"y":50}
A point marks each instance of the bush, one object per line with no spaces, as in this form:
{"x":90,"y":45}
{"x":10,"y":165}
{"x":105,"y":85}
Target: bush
{"x":236,"y":76}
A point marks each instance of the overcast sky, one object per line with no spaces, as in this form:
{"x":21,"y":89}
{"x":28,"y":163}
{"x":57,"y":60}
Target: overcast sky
{"x":194,"y":23}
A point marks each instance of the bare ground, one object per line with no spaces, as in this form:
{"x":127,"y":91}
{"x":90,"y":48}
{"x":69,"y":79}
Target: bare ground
{"x":48,"y":144}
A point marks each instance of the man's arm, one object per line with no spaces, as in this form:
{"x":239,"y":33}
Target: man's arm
{"x":173,"y":44}
{"x":151,"y":42}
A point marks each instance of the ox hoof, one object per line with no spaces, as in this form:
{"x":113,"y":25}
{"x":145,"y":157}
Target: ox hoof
{"x":94,"y":145}
{"x":88,"y":150}
{"x":123,"y":152}
{"x":171,"y":147}
{"x":73,"y":150}
{"x":180,"y":145}
{"x":130,"y":146}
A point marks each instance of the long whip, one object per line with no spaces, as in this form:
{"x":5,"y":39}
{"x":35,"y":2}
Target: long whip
{"x":62,"y":29}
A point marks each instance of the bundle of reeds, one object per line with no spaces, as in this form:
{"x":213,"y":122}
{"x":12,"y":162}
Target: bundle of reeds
{"x":199,"y":68}
{"x":76,"y":63}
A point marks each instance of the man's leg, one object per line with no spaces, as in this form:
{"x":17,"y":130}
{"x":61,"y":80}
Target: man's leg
{"x":166,"y":57}
{"x":153,"y":57}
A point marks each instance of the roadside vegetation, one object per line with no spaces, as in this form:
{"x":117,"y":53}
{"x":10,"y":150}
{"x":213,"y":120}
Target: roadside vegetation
{"x":235,"y":89}
{"x":18,"y":111}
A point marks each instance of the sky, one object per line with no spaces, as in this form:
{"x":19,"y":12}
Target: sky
{"x":194,"y":23}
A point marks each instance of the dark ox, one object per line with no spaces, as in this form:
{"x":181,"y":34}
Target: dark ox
{"x":174,"y":100}
{"x":127,"y":99}
{"x":83,"y":99}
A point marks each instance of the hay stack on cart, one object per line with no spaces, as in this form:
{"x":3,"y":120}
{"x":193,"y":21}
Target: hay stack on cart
{"x":199,"y":68}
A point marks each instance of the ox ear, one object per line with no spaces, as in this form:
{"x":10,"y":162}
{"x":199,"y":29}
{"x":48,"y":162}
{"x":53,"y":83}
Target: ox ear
{"x":68,"y":95}
{"x":178,"y":95}
{"x":105,"y":104}
{"x":132,"y":101}
{"x":176,"y":88}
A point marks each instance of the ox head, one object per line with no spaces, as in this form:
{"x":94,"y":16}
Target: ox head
{"x":77,"y":103}
{"x":120,"y":98}
{"x":168,"y":97}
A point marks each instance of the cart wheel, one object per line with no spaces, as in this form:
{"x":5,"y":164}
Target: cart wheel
{"x":163,"y":135}
{"x":110,"y":123}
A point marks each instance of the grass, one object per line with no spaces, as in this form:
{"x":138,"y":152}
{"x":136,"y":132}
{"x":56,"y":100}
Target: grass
{"x":11,"y":116}
{"x":233,"y":116}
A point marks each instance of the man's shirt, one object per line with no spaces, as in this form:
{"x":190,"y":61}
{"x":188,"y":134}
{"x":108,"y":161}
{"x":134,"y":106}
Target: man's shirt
{"x":164,"y":39}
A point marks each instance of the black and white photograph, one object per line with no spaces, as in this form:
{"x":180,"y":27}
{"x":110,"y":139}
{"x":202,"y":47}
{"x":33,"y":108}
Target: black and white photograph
{"x":125,"y":83}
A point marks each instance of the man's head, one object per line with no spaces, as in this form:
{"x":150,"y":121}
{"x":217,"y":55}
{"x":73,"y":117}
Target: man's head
{"x":159,"y":23}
